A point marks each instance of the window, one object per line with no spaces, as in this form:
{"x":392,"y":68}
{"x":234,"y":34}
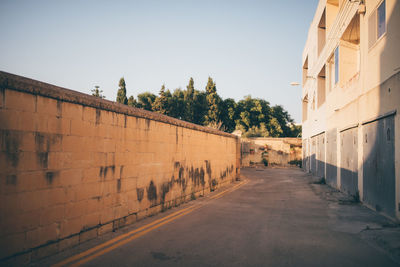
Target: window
{"x":381,"y":19}
{"x":336,"y":65}
{"x":377,"y":24}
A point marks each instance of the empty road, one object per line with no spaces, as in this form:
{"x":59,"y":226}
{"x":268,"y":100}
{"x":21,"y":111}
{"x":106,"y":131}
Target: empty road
{"x":273,"y":217}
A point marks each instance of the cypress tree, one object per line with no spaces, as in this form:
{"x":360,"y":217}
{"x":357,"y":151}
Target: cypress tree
{"x":213,"y":103}
{"x":121,"y":95}
{"x":161,"y":102}
{"x":189,"y":101}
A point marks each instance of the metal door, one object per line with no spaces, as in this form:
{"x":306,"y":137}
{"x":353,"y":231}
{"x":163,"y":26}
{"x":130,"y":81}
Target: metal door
{"x":349,"y":161}
{"x":321,"y":155}
{"x":331,"y":158}
{"x":379,"y":166}
{"x":313,"y":167}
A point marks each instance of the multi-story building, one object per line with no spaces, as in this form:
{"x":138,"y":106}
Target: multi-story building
{"x":351,"y":100}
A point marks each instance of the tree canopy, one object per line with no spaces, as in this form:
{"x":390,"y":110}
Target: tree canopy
{"x":255,"y":117}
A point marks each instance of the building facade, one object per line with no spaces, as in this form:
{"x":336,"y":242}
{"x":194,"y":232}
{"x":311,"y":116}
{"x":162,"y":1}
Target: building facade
{"x":351,"y":100}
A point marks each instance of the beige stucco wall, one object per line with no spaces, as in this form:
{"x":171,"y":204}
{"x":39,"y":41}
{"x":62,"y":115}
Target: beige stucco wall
{"x":362,"y":94}
{"x":277,"y":151}
{"x":73,"y":166}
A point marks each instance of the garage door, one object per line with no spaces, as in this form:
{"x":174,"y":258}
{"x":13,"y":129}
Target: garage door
{"x":349,"y":161}
{"x":378,"y":167}
{"x":331,"y":157}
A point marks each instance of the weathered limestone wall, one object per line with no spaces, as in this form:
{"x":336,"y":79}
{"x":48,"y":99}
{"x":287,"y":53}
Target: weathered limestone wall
{"x":73,"y":166}
{"x":276,"y":151}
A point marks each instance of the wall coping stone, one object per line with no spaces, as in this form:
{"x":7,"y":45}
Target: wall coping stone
{"x":27,"y":85}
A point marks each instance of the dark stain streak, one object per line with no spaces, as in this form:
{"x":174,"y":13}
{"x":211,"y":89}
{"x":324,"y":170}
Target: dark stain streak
{"x":10,"y":143}
{"x":50,"y":177}
{"x":59,"y":109}
{"x":202,"y":181}
{"x":147,"y":124}
{"x":104,"y":170}
{"x":140,"y":193}
{"x":151,"y":192}
{"x":121,"y":169}
{"x":181,"y":180}
{"x":98,"y":116}
{"x":208,"y":169}
{"x":11,"y":179}
{"x":43,"y":159}
{"x":119,"y":185}
{"x":125,"y":121}
{"x":43,"y":143}
{"x":164,"y":190}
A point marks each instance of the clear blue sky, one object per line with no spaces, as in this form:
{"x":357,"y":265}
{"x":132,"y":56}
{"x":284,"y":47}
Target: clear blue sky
{"x":247,"y":47}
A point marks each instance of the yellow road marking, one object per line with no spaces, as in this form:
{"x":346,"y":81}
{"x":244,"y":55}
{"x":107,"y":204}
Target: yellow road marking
{"x":90,"y":251}
{"x":108,"y":246}
{"x":219,"y":195}
{"x":123,"y":242}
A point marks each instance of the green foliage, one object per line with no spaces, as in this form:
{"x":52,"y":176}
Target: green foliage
{"x":160,"y":104}
{"x":97,"y":92}
{"x":176,"y":104}
{"x":229,"y":114}
{"x":189,"y":101}
{"x":253,"y":116}
{"x":132,"y":101}
{"x":213,"y":103}
{"x":121,"y":94}
{"x":255,"y":131}
{"x":145,"y":100}
{"x":265,"y":161}
{"x":295,"y":130}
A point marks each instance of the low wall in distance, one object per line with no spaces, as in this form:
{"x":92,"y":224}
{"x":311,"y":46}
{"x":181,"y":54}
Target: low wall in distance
{"x":271,"y":151}
{"x":73,"y":166}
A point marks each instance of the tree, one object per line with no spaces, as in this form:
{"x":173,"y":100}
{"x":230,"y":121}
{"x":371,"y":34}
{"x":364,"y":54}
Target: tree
{"x":295,"y":130}
{"x":275,"y":128}
{"x":145,"y":100}
{"x":132,"y":101}
{"x":283,"y":119}
{"x":97,"y":92}
{"x":199,"y":107}
{"x":229,"y":114}
{"x":160,"y":104}
{"x":213,"y":103}
{"x":121,"y":94}
{"x":252,"y":112}
{"x":189,"y":101}
{"x":177,"y":104}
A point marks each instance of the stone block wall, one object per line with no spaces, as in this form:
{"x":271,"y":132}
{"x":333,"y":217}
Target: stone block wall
{"x":73,"y":166}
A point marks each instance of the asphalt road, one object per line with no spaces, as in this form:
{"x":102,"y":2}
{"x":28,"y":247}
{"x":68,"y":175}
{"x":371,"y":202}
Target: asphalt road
{"x":278,"y":218}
